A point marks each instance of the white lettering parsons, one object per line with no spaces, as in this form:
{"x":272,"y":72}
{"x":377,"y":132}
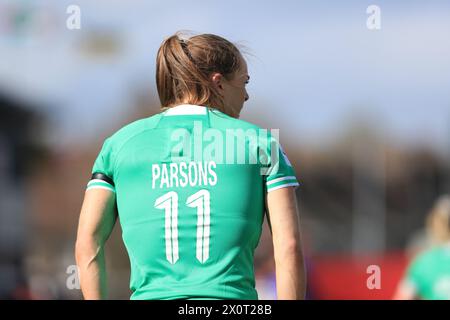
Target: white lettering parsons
{"x":182,"y":174}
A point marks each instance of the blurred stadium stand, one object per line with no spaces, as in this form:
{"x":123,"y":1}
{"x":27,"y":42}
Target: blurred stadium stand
{"x":18,"y":151}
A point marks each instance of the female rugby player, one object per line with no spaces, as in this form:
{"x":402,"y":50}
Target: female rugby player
{"x":190,"y":186}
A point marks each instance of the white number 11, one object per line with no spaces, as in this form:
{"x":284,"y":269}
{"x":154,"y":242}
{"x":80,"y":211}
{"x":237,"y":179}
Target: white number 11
{"x":199,"y":200}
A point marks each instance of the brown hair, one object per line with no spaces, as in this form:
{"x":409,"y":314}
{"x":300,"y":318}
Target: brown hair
{"x":183,"y":68}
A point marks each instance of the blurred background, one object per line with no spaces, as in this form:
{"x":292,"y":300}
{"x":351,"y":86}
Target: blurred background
{"x":363,"y":113}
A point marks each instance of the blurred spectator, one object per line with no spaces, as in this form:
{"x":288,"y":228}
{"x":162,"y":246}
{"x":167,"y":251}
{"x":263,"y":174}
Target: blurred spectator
{"x":428,"y":275}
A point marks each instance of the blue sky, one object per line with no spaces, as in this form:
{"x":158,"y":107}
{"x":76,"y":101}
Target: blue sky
{"x":314,"y":62}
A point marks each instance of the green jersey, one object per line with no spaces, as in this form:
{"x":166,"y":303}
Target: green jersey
{"x":190,"y":185}
{"x":429,"y":274}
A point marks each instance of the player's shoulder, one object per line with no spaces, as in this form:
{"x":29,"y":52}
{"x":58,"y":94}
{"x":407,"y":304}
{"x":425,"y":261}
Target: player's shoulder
{"x":226,"y":121}
{"x":265,"y":138}
{"x":428,"y":256}
{"x":132,"y":129}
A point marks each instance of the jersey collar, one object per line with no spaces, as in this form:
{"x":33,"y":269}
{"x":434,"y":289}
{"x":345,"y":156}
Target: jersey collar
{"x":186,"y":109}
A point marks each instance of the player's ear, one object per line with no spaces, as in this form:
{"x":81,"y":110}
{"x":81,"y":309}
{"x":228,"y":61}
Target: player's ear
{"x":217,"y":80}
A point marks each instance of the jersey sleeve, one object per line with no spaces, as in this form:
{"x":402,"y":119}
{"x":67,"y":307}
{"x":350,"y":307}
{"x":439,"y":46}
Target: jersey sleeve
{"x":102,"y":171}
{"x":278,"y":173}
